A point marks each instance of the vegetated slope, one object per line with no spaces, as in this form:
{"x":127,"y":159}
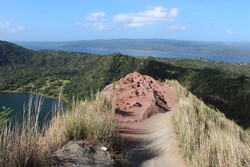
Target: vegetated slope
{"x":229,"y":92}
{"x":104,"y":71}
{"x":223,"y":85}
{"x":11,"y":54}
{"x":207,"y":137}
{"x":12,"y":59}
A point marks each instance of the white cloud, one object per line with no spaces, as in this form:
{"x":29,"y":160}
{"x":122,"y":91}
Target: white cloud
{"x":152,"y":16}
{"x":176,"y":28}
{"x":95,"y":20}
{"x":229,"y":32}
{"x":97,"y":16}
{"x":11,"y":27}
{"x":99,"y":26}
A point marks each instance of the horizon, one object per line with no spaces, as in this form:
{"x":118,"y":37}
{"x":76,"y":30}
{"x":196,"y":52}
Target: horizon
{"x":62,"y":21}
{"x":14,"y":41}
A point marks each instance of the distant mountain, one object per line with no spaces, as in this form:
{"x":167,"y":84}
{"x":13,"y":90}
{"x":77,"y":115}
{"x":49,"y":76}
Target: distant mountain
{"x":166,"y":45}
{"x":13,"y":54}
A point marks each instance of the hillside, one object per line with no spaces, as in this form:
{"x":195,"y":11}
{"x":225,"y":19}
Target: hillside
{"x":205,"y":136}
{"x":11,"y":54}
{"x":225,"y":86}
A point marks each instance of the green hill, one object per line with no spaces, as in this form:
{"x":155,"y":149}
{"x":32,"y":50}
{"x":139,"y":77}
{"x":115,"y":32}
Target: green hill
{"x":225,"y":86}
{"x":11,"y":54}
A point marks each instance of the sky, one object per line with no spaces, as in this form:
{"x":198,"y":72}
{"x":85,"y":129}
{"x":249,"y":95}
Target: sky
{"x":71,"y":20}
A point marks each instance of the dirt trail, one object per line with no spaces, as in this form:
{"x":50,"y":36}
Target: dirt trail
{"x":152,"y":142}
{"x":144,"y":116}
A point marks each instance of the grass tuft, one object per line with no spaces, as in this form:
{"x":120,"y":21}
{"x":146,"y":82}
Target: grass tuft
{"x":19,"y":144}
{"x":92,"y":120}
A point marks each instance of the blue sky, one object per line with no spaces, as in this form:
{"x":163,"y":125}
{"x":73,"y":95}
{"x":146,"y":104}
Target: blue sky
{"x":65,"y":20}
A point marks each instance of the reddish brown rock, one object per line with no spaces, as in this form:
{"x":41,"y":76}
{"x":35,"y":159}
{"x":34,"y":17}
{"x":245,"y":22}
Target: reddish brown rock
{"x":146,"y":96}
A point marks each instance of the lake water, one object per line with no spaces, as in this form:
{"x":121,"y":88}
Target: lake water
{"x":19,"y":102}
{"x":131,"y":52}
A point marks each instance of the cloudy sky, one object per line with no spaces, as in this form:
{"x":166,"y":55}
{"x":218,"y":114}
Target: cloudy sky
{"x":65,"y":20}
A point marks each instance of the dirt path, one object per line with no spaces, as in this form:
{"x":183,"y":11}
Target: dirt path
{"x":144,"y":112}
{"x":152,"y":142}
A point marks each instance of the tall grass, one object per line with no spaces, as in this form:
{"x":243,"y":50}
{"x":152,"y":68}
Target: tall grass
{"x":25,"y":144}
{"x":206,"y":136}
{"x":92,"y":120}
{"x":19,"y":141}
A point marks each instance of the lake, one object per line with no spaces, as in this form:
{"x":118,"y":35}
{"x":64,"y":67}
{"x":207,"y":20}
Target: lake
{"x":131,"y":52}
{"x":19,"y":101}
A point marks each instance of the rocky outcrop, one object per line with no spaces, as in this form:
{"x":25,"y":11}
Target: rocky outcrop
{"x":75,"y":154}
{"x":138,"y":97}
{"x":160,"y":101}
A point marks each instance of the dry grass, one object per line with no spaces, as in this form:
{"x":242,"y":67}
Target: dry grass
{"x":26,"y":144}
{"x":18,"y":142}
{"x":92,"y":120}
{"x":206,"y":136}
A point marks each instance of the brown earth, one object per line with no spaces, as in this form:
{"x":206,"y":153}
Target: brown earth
{"x":143,"y":113}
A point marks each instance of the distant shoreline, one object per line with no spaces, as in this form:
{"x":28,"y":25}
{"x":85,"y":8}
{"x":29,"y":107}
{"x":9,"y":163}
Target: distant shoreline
{"x":169,"y":49}
{"x":32,"y":93}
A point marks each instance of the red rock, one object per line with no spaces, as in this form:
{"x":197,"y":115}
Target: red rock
{"x":148,"y":98}
{"x":137,"y":104}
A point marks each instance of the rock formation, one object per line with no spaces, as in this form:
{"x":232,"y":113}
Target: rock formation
{"x":138,"y":97}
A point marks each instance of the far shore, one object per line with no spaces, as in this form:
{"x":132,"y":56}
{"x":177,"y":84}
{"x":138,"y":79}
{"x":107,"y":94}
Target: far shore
{"x":32,"y":93}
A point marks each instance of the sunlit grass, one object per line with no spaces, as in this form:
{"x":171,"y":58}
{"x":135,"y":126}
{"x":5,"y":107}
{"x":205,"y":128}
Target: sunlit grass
{"x":27,"y":144}
{"x":206,"y":137}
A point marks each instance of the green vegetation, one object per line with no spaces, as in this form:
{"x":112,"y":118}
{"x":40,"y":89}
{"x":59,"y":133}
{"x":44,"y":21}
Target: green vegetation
{"x":206,"y":137}
{"x":26,"y":144}
{"x":4,"y":116}
{"x":225,"y":86}
{"x":13,"y":55}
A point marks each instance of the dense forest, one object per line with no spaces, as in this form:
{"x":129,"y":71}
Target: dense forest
{"x":225,"y":86}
